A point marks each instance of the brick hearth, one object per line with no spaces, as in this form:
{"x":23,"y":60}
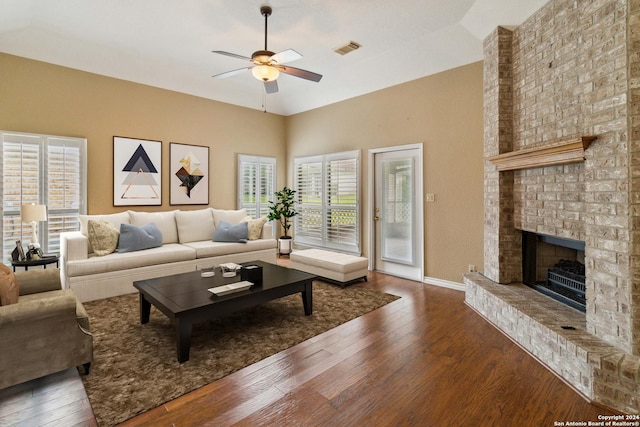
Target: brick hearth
{"x":571,"y":70}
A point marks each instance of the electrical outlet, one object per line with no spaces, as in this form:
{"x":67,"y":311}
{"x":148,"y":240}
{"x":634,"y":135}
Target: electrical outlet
{"x":431,"y":197}
{"x":472,"y":268}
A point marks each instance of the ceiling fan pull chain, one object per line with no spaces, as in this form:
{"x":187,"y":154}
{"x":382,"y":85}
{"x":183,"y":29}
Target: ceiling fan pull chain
{"x":264,"y":101}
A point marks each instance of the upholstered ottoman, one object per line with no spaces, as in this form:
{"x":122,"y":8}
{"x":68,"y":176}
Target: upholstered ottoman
{"x":336,"y":267}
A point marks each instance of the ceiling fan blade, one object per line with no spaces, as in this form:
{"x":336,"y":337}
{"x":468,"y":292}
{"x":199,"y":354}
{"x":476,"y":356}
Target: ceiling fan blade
{"x":288,"y":55}
{"x":230,"y":73}
{"x":271,"y":87}
{"x":233,"y":55}
{"x":304,"y":74}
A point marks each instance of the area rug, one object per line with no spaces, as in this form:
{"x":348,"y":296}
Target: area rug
{"x":135,"y":367}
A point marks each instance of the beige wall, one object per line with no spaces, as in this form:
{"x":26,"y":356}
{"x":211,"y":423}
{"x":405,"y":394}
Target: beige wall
{"x":444,"y":112}
{"x":42,"y":98}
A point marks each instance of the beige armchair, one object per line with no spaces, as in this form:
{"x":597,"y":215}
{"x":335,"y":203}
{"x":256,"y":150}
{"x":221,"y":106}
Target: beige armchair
{"x":46,"y":331}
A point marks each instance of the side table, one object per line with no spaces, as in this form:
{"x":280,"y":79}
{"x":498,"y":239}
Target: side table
{"x":35,"y":262}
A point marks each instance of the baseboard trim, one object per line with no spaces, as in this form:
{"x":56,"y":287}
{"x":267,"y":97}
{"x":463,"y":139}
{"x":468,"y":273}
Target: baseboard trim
{"x":444,"y":283}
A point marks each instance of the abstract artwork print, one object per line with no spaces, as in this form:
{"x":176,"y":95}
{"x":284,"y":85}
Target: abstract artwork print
{"x":189,"y":180}
{"x":137,"y":166}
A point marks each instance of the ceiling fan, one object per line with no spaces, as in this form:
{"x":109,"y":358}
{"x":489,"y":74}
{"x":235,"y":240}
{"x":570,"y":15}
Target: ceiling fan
{"x":267,"y":65}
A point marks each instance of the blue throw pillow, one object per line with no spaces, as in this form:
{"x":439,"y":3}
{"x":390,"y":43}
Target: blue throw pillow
{"x":226,"y":232}
{"x":134,"y":238}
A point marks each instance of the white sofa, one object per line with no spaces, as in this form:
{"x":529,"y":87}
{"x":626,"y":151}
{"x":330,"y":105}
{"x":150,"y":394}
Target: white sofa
{"x":187,"y":245}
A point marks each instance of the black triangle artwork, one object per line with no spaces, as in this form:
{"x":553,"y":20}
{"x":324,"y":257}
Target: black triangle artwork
{"x":140,"y":168}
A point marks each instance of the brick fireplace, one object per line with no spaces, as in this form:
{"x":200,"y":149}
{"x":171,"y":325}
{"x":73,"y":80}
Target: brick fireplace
{"x":571,"y":72}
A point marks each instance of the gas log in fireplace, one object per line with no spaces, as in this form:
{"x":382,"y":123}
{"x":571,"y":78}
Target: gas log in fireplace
{"x":555,"y":267}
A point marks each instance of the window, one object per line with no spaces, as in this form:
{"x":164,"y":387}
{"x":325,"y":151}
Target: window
{"x":329,"y":201}
{"x":256,"y":184}
{"x":46,"y":170}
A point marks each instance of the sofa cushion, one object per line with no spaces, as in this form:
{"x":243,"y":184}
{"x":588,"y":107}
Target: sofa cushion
{"x":255,"y":227}
{"x":230,"y":216}
{"x":103,"y":237}
{"x":172,"y":252}
{"x":134,"y":238}
{"x":328,"y":260}
{"x":113,"y":219}
{"x":195,"y":225}
{"x":211,"y":249}
{"x":226,"y":232}
{"x":9,"y":289}
{"x":165,"y":221}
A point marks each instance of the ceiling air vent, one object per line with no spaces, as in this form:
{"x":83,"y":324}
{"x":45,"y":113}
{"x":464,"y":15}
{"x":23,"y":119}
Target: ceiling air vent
{"x":349,"y":47}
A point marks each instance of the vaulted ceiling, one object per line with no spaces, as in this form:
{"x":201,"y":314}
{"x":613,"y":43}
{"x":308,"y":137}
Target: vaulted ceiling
{"x":169,"y":43}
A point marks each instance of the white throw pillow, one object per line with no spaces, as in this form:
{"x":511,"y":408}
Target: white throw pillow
{"x":103,"y":236}
{"x":165,"y":221}
{"x":255,"y":227}
{"x":230,"y":216}
{"x":195,"y":226}
{"x":114,"y":219}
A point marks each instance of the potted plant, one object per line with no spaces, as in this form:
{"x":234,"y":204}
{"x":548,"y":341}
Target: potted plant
{"x":283,"y":211}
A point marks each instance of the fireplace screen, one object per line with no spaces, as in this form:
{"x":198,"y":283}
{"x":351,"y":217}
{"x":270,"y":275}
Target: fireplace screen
{"x":554,"y":266}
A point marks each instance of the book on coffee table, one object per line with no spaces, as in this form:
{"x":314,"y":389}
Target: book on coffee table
{"x":230,"y":288}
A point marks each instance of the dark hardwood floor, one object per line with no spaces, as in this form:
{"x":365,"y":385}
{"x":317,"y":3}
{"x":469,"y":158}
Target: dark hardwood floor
{"x":424,"y":360}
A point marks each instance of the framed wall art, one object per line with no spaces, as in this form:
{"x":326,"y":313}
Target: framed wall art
{"x":137,"y":172}
{"x":188,"y":175}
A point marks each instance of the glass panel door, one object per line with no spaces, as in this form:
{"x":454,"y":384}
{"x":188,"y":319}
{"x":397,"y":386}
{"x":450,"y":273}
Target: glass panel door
{"x":396,"y":208}
{"x":398,"y":230}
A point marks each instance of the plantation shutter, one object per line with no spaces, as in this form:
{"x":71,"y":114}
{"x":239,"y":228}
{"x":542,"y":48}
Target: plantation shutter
{"x":267,"y":186}
{"x":47,"y":170}
{"x":256,"y":184}
{"x":20,"y":185}
{"x":65,"y":198}
{"x":309,"y":194}
{"x":247,"y":186}
{"x":342,"y":203}
{"x":328,"y":200}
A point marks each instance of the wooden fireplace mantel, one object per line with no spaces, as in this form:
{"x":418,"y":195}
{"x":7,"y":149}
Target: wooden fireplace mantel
{"x":554,"y":153}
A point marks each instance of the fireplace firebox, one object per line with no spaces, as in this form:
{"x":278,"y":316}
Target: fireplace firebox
{"x":555,"y":267}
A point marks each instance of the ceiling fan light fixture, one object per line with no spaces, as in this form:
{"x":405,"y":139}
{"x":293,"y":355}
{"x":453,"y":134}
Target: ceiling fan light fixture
{"x":265,"y":73}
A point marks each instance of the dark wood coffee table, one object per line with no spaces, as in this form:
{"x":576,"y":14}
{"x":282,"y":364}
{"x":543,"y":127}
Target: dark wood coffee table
{"x":184,"y":298}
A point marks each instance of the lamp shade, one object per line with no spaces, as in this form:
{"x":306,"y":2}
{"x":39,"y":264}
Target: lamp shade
{"x":265,"y":73}
{"x":33,"y":213}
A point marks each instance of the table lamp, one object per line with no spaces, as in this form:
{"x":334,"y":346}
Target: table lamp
{"x":33,"y":213}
